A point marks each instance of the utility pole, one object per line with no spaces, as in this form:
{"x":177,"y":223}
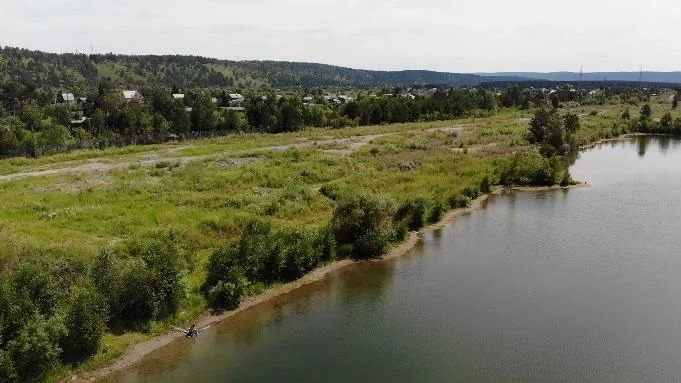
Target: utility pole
{"x":640,"y":78}
{"x":581,"y":74}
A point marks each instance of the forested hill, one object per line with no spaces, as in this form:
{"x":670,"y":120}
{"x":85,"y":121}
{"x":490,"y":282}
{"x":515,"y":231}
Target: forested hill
{"x":79,"y":70}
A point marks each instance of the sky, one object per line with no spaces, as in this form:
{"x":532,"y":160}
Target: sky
{"x":455,"y":35}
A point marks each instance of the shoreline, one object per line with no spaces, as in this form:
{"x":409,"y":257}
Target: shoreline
{"x":139,"y":351}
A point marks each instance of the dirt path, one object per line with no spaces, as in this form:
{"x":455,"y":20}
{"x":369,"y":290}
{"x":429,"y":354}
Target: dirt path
{"x":354,"y":143}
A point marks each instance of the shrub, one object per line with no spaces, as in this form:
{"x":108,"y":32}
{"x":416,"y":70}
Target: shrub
{"x":458,"y":201}
{"x":227,"y":292}
{"x":85,"y":321}
{"x":8,"y":372}
{"x":34,"y":286}
{"x":436,"y":212}
{"x":295,"y":253}
{"x":166,"y":274}
{"x":34,"y":350}
{"x":485,"y":185}
{"x":471,"y":192}
{"x":413,"y":213}
{"x":141,"y":288}
{"x":523,"y":170}
{"x":362,"y":223}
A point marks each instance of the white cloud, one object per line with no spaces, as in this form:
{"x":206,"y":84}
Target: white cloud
{"x":456,"y":35}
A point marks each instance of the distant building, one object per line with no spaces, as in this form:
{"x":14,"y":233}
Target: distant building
{"x":345,"y":99}
{"x":214,"y":100}
{"x":235,"y":99}
{"x":132,"y":95}
{"x":178,"y":96}
{"x":66,"y":98}
{"x":234,"y":108}
{"x":79,"y":121}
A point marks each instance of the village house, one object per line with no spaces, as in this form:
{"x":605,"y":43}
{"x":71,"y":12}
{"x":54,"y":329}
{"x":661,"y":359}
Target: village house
{"x":345,"y":99}
{"x":235,"y":99}
{"x":132,"y":95}
{"x":178,"y":96}
{"x":65,"y":98}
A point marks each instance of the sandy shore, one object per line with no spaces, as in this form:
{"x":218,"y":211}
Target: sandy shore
{"x":138,"y":351}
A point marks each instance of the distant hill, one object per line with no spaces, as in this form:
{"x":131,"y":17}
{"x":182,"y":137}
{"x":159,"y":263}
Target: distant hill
{"x":655,"y":77}
{"x":80,"y":70}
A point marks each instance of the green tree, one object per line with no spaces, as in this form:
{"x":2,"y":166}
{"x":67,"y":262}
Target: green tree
{"x":675,"y":101}
{"x":646,"y":113}
{"x":8,"y":373}
{"x":85,"y":321}
{"x":571,"y":122}
{"x":362,"y":225}
{"x":180,"y":121}
{"x":203,"y":114}
{"x":34,"y":350}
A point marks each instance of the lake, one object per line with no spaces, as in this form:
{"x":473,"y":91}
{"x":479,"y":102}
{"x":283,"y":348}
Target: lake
{"x":568,"y":286}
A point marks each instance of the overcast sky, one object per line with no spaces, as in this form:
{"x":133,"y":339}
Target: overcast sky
{"x":454,"y":35}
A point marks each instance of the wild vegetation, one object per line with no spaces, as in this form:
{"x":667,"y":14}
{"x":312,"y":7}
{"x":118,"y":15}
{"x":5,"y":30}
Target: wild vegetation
{"x":101,"y":248}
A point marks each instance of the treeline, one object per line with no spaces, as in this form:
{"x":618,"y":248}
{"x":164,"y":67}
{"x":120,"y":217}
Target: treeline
{"x":27,"y":128}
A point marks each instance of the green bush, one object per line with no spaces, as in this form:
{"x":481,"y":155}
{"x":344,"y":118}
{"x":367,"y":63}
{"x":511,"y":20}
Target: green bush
{"x":458,"y":201}
{"x":227,"y":292}
{"x":138,"y":289}
{"x":485,"y":185}
{"x":413,"y":213}
{"x":525,"y":170}
{"x":34,"y":350}
{"x":362,"y":225}
{"x":436,"y":212}
{"x":264,"y":255}
{"x":8,"y":373}
{"x":85,"y":320}
{"x":471,"y":192}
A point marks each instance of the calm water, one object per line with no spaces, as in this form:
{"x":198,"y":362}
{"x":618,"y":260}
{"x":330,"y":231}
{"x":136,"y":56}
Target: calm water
{"x":571,"y":286}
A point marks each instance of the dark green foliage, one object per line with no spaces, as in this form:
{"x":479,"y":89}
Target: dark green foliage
{"x":458,"y":201}
{"x":8,"y":373}
{"x":85,"y":321}
{"x":34,"y":349}
{"x":203,"y":114}
{"x":485,"y":185}
{"x":141,"y":288}
{"x":553,"y":133}
{"x":523,"y":170}
{"x":413,"y":213}
{"x":229,"y":290}
{"x":436,"y":212}
{"x":626,"y":115}
{"x":264,"y":255}
{"x":471,"y":192}
{"x":567,"y":179}
{"x":36,"y":288}
{"x":362,"y":224}
{"x":646,"y":113}
{"x":675,"y":101}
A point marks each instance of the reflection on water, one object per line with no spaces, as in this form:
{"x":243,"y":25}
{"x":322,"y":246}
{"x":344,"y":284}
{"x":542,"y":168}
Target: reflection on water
{"x":576,"y":285}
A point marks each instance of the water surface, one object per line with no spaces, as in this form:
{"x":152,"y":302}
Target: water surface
{"x":568,"y":286}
